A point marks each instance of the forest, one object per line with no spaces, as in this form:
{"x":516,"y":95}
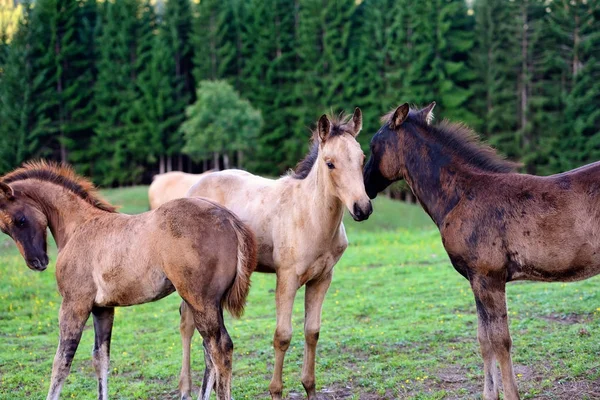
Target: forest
{"x":120,"y":88}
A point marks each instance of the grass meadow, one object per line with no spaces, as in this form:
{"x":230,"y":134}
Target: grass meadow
{"x":398,"y":323}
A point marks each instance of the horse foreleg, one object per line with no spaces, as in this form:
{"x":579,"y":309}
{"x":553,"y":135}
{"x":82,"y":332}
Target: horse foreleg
{"x":313,"y":304}
{"x":284,"y":297}
{"x":103,"y":323}
{"x":72,"y":318}
{"x":490,"y":298}
{"x":186,"y":329}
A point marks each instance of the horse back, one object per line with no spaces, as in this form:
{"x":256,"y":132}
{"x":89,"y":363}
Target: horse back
{"x":529,"y":227}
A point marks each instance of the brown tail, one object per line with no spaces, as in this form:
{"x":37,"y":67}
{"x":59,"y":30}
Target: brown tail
{"x":235,"y":297}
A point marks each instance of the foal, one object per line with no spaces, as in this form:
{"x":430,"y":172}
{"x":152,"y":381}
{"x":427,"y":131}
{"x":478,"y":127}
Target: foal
{"x":107,"y":259}
{"x":298,"y":223}
{"x":496,"y":225}
{"x":170,"y":186}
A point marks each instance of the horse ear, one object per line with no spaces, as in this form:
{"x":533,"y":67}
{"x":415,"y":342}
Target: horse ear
{"x":427,"y":113}
{"x":357,"y":121}
{"x":323,"y":127}
{"x":6,"y":192}
{"x":399,"y":116}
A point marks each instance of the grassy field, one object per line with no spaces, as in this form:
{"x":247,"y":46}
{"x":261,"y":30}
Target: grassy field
{"x":398,"y":323}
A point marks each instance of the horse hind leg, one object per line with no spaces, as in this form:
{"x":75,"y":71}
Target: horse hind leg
{"x":490,"y":298}
{"x":186,"y":329}
{"x":219,"y":349}
{"x":103,"y":323}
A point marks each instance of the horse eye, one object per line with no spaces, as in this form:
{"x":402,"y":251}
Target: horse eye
{"x":330,"y":165}
{"x":21,"y":221}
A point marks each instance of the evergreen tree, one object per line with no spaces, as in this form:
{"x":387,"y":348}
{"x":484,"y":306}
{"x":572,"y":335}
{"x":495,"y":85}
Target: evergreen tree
{"x":177,"y":47}
{"x":574,"y":27}
{"x":496,"y":66}
{"x":17,"y":109}
{"x":440,"y":71}
{"x":116,"y":161}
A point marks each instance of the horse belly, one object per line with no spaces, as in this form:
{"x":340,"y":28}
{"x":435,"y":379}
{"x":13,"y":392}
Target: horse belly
{"x":132,"y":290}
{"x":561,"y":267}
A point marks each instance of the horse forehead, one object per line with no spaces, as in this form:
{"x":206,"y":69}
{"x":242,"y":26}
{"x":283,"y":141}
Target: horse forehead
{"x":344,"y":146}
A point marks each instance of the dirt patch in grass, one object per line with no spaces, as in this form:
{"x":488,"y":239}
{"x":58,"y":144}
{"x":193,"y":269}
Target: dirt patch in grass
{"x":454,"y":379}
{"x":572,"y":390}
{"x":341,"y":392}
{"x":567,"y":319}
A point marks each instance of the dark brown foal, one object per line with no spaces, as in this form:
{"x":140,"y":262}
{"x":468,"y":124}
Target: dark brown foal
{"x":106,"y":259}
{"x":496,"y":225}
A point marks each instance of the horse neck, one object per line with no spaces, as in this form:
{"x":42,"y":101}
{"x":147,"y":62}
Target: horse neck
{"x":64,"y":210}
{"x":320,"y":202}
{"x":434,"y":175}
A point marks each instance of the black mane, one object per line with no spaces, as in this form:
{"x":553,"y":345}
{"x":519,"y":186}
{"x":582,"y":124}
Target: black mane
{"x":463,"y":142}
{"x":339,"y":126}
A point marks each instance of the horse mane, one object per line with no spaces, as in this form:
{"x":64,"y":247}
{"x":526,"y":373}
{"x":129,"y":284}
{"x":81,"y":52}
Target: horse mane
{"x":462,"y":141}
{"x":62,"y":175}
{"x":339,"y":126}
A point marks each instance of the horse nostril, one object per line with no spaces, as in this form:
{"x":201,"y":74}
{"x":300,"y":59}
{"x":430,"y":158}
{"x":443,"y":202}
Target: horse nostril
{"x":357,"y":211}
{"x":369,"y":208}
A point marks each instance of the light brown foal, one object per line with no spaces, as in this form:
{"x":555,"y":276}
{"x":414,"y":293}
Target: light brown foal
{"x":298,"y":223}
{"x":170,"y":186}
{"x":107,"y":259}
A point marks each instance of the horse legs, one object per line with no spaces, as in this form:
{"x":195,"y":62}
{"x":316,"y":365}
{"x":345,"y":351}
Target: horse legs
{"x":186,"y":329}
{"x":72,"y":318}
{"x":313,"y":303}
{"x":284,"y":296}
{"x":209,"y":380}
{"x":490,"y":298}
{"x":103,"y":323}
{"x":490,"y":388}
{"x":218,"y":348}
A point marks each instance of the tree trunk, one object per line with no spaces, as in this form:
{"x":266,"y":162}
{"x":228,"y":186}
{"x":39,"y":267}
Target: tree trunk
{"x":225,"y":161}
{"x":161,"y":164}
{"x":524,"y":75}
{"x":216,"y":160}
{"x":180,"y":162}
{"x":240,"y":157}
{"x":169,"y":163}
{"x":204,"y":165}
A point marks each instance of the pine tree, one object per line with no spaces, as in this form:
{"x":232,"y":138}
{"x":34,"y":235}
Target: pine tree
{"x":267,"y":79}
{"x":496,"y":66}
{"x":574,"y":27}
{"x":17,"y":109}
{"x":440,"y":71}
{"x":116,"y":162}
{"x":176,"y":35}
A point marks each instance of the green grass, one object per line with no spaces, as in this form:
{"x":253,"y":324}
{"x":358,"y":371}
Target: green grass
{"x":398,"y":322}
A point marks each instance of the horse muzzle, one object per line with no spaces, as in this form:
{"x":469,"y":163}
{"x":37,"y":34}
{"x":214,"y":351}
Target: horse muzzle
{"x":38,"y":263}
{"x":362,"y":213}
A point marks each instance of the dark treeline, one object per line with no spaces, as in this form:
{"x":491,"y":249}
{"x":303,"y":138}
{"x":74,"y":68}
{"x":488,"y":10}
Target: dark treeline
{"x":105,"y":85}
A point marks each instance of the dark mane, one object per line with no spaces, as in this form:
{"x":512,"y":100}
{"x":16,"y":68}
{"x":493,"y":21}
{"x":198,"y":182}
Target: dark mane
{"x":62,"y":175}
{"x":463,"y":142}
{"x":339,"y":126}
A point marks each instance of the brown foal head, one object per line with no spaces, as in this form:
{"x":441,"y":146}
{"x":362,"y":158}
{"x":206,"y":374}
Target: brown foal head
{"x":385,"y":164}
{"x":343,"y":159}
{"x":26,"y":224}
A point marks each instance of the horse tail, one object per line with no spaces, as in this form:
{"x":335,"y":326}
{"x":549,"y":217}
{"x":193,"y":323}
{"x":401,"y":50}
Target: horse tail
{"x":247,"y":258}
